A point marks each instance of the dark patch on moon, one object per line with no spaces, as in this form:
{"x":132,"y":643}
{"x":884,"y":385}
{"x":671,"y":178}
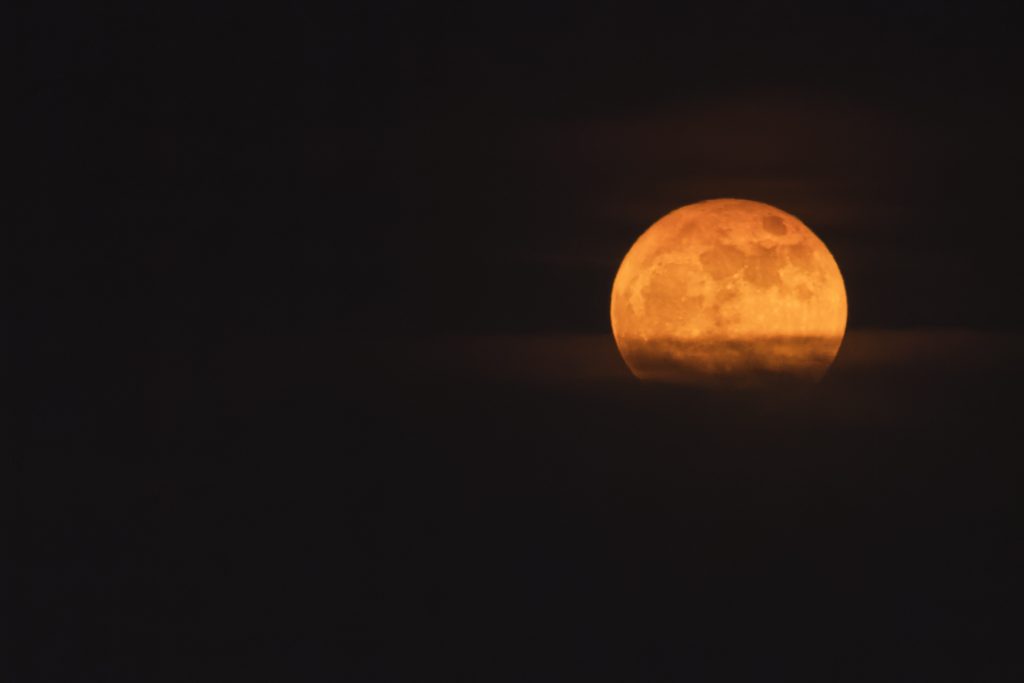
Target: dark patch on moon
{"x":801,"y":256}
{"x":774,"y":225}
{"x":803,"y":292}
{"x":689,"y":306}
{"x":763,"y":270}
{"x":722,"y":261}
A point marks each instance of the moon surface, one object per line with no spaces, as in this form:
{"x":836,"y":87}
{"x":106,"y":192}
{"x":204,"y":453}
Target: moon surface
{"x":728,"y":291}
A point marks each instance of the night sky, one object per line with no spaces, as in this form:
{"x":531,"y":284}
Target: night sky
{"x":314,"y":306}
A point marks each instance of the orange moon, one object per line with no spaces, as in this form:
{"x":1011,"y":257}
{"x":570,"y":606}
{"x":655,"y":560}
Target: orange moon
{"x":728,"y":291}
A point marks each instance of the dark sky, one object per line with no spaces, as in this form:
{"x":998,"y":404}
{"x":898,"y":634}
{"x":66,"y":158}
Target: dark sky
{"x":314,"y":303}
{"x":403,"y":167}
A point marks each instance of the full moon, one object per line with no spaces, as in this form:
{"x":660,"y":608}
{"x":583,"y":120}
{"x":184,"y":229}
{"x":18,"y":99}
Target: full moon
{"x":728,"y":291}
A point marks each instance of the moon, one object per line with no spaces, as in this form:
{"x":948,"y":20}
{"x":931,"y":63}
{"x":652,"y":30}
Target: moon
{"x":728,"y":291}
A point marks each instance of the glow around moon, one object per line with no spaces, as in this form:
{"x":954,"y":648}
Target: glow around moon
{"x":728,"y":290}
